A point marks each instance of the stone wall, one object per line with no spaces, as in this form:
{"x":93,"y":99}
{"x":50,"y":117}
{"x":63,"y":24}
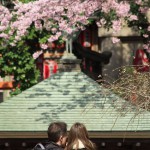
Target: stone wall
{"x":122,"y":52}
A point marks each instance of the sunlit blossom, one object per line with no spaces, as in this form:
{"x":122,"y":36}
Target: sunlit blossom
{"x":116,"y":25}
{"x":133,"y":17}
{"x":145,"y":35}
{"x":115,"y":40}
{"x":148,"y":28}
{"x":44,"y":46}
{"x":56,"y":17}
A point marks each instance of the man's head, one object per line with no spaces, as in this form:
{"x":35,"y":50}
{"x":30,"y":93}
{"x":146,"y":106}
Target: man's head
{"x":57,"y":133}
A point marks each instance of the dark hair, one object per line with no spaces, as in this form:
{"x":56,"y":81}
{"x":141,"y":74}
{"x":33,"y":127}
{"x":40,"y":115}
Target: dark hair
{"x":77,"y":132}
{"x":55,"y":130}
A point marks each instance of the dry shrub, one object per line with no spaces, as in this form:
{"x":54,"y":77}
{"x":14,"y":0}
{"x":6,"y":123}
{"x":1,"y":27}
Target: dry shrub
{"x":133,"y":86}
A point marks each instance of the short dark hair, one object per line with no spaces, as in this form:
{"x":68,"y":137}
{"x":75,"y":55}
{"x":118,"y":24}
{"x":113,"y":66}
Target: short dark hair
{"x":55,"y":130}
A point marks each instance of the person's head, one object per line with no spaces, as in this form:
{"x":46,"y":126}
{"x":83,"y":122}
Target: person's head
{"x":78,"y":132}
{"x":57,"y":133}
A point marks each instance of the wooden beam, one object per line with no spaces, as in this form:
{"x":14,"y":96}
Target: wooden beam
{"x":120,"y":134}
{"x":22,"y":134}
{"x":95,"y":135}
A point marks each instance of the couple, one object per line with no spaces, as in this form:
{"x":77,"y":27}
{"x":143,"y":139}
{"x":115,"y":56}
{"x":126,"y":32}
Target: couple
{"x":76,"y":140}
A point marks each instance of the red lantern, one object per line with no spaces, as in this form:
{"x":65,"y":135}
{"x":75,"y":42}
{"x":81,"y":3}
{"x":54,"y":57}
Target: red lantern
{"x":50,"y":67}
{"x":141,"y":61}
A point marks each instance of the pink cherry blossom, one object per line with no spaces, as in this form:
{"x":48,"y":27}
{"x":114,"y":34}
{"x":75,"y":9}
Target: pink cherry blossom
{"x":133,"y":17}
{"x":4,"y":35}
{"x":57,"y":17}
{"x":38,"y":25}
{"x":122,"y":9}
{"x":115,"y":40}
{"x":116,"y":25}
{"x":37,"y":54}
{"x":138,"y":2}
{"x":44,"y":46}
{"x":148,"y":28}
{"x":145,"y":35}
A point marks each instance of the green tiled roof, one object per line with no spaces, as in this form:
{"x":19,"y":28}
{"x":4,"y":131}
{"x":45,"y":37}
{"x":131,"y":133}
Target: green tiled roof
{"x":69,"y":97}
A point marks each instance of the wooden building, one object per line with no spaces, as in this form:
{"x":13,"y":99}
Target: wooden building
{"x":71,"y":96}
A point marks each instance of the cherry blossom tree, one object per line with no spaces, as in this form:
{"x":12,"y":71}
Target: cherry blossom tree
{"x":53,"y":20}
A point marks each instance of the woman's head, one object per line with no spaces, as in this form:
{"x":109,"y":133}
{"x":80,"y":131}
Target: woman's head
{"x":78,"y":132}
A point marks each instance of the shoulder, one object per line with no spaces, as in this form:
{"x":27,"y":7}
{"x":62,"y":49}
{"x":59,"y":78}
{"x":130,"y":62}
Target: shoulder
{"x":53,"y":146}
